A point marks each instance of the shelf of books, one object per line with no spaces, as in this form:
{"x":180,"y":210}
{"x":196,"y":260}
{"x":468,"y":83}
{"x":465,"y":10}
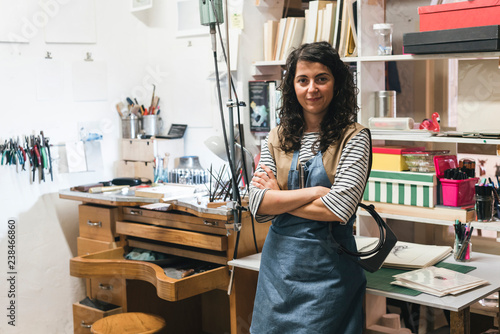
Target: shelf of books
{"x":330,"y":21}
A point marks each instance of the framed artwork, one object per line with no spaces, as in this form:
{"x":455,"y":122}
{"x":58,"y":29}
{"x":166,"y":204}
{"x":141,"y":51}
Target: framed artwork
{"x":188,"y":19}
{"x":137,"y":5}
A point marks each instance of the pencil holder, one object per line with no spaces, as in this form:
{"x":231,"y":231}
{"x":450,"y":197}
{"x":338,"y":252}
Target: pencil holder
{"x":462,"y":255}
{"x":484,"y":208}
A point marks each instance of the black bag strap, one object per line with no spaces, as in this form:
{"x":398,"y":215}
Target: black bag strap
{"x":373,"y":260}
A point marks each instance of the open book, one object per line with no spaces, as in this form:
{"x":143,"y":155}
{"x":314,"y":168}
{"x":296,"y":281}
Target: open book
{"x":438,"y":281}
{"x":407,"y":255}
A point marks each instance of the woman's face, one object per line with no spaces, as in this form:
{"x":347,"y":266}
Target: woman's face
{"x":314,"y":85}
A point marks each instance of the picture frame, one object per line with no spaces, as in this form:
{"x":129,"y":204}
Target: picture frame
{"x":188,"y":19}
{"x":138,"y":5}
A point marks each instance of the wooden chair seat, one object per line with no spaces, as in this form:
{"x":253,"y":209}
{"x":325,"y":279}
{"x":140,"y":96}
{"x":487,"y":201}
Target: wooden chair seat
{"x":129,"y":323}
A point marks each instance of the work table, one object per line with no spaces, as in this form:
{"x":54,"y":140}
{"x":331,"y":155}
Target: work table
{"x":112,"y":223}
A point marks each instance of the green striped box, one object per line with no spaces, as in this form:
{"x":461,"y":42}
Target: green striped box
{"x":417,"y":189}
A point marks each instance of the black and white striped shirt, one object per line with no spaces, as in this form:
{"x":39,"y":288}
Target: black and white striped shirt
{"x":350,"y":176}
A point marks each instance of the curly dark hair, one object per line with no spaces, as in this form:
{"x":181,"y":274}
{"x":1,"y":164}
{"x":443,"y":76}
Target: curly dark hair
{"x":341,"y":112}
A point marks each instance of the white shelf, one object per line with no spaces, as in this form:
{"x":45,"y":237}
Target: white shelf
{"x":435,"y":139}
{"x":471,"y":55}
{"x":270,"y":63}
{"x":490,"y":226}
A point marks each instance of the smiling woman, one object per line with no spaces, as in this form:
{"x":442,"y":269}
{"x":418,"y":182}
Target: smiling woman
{"x":311,"y":177}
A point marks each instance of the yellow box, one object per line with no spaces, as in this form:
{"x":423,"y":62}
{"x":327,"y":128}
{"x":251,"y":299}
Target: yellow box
{"x":390,"y":158}
{"x":390,"y":162}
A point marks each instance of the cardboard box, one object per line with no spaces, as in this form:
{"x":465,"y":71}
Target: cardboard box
{"x":390,"y":157}
{"x":476,"y":39}
{"x":465,"y":14}
{"x":407,"y":188}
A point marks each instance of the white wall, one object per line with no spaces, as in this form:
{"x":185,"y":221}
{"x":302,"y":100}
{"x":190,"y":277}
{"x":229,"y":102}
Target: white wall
{"x":133,"y":47}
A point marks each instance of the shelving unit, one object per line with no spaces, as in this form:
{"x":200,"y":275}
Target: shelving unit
{"x":440,"y":215}
{"x":436,"y":139}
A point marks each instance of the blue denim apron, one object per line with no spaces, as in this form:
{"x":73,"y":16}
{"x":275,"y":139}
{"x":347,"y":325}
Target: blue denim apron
{"x":304,"y":284}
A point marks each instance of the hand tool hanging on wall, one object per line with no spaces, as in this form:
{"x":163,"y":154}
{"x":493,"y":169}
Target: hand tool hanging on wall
{"x":34,"y":151}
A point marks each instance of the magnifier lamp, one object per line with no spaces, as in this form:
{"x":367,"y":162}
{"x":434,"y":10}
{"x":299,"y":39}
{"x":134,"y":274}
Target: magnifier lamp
{"x":216,"y":145}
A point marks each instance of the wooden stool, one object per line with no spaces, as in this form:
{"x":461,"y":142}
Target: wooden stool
{"x":128,"y":323}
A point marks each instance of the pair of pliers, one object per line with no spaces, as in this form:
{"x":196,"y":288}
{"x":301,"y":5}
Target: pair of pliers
{"x":45,"y":143}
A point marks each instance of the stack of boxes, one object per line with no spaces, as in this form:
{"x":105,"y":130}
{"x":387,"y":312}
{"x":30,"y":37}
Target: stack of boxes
{"x":390,"y":182}
{"x":141,"y":156}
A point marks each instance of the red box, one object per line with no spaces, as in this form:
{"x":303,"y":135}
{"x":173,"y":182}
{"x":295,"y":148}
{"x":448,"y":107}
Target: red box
{"x":453,"y":192}
{"x":466,"y":14}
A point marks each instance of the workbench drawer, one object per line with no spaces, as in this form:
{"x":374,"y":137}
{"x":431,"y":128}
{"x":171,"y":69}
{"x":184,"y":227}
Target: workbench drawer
{"x":176,"y":219}
{"x":111,"y":290}
{"x":85,"y":316}
{"x":112,"y":263}
{"x":173,"y":236}
{"x":97,"y":222}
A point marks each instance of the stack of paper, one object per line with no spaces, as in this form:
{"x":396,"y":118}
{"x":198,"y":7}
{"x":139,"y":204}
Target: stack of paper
{"x":407,"y":255}
{"x":438,"y":281}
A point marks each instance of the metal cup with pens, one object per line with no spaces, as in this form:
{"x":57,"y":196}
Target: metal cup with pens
{"x":463,"y":247}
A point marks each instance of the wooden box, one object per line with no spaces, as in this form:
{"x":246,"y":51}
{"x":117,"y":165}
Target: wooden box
{"x":148,"y":149}
{"x":137,"y":169}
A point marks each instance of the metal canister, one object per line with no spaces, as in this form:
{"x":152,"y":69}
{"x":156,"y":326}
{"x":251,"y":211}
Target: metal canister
{"x":130,"y":126}
{"x":385,"y":103}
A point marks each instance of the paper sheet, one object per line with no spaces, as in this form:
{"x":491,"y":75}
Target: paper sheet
{"x":15,"y":21}
{"x":75,"y":153}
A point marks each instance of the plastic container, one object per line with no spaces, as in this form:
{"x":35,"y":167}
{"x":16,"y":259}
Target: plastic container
{"x":453,"y":192}
{"x":422,"y":161}
{"x":391,"y":123}
{"x":384,"y":35}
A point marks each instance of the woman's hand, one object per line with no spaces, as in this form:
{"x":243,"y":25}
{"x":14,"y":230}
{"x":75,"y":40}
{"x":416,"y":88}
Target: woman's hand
{"x":265,"y":179}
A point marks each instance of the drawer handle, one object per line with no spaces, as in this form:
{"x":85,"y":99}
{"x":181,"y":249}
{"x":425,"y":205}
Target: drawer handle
{"x":98,"y":224}
{"x":210,"y":223}
{"x":84,"y":325}
{"x":105,"y":286}
{"x":136,"y":212}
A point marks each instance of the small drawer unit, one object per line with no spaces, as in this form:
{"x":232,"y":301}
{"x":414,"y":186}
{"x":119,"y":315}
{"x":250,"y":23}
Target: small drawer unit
{"x":148,"y":149}
{"x":84,"y":316}
{"x":98,"y":223}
